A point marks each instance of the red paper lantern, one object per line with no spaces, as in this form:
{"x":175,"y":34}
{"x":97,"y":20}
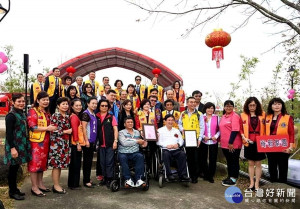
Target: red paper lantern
{"x":156,"y":71}
{"x":71,"y":70}
{"x":217,"y":40}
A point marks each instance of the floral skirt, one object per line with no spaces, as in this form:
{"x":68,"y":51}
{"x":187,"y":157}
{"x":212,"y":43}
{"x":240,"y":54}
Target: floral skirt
{"x":59,"y":154}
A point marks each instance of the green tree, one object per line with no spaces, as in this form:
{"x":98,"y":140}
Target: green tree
{"x":14,"y":77}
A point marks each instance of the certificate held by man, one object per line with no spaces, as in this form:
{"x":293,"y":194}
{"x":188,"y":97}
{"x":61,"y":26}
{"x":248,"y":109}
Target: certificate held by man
{"x":190,"y":137}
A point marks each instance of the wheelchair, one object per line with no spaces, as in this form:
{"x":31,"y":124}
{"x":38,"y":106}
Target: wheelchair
{"x":161,"y":170}
{"x":119,"y":181}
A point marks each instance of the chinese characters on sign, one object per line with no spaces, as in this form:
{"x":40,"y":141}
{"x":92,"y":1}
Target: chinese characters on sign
{"x":271,"y":195}
{"x":274,"y":143}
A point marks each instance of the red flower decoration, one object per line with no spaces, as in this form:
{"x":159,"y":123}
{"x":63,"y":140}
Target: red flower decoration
{"x":176,"y":135}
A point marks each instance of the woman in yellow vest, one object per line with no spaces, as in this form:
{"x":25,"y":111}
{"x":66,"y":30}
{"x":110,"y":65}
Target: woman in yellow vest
{"x":253,"y":124}
{"x":179,"y":95}
{"x":118,"y":84}
{"x":278,"y":122}
{"x":39,"y":128}
{"x":133,"y":97}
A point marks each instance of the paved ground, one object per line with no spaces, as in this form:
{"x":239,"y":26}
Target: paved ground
{"x":174,"y":195}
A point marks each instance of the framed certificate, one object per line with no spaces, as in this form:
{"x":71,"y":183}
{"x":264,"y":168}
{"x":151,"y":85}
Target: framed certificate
{"x":150,"y":133}
{"x":190,"y":137}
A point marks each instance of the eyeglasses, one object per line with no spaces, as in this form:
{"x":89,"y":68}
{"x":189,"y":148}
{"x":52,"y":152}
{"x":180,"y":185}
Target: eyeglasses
{"x":103,"y":105}
{"x":229,"y":106}
{"x":153,"y":100}
{"x":137,"y":79}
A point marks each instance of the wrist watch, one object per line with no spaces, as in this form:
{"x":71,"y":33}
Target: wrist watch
{"x":116,"y":140}
{"x":291,"y":149}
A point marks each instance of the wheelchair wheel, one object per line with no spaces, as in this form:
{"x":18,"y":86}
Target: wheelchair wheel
{"x":160,"y":181}
{"x":146,"y":188}
{"x":114,"y":186}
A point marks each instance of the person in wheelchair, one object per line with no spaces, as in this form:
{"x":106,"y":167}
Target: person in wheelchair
{"x":170,"y":140}
{"x":129,"y":143}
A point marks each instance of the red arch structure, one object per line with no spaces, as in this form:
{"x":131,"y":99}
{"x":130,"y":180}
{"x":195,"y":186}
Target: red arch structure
{"x":118,"y":57}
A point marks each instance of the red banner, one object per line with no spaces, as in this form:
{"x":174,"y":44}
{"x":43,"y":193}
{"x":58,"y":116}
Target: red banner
{"x":273,"y":143}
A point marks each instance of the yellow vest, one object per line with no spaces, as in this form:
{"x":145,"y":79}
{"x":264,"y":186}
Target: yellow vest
{"x":118,"y":93}
{"x":36,"y":88}
{"x":176,"y":114}
{"x":191,"y":123}
{"x":283,"y":123}
{"x":97,"y":87}
{"x":143,"y":119}
{"x":160,"y":92}
{"x":38,"y":136}
{"x":245,"y":122}
{"x":142,"y":92}
{"x":134,"y":101}
{"x":52,"y":86}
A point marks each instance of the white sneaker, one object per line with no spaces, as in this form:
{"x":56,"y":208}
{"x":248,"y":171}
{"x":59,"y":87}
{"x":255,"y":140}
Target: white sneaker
{"x":129,"y":183}
{"x":140,"y":182}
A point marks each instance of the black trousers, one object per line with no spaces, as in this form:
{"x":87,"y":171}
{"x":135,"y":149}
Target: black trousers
{"x":150,"y":156}
{"x":179,"y":156}
{"x":233,"y":164}
{"x":12,"y":178}
{"x":107,"y":161}
{"x":88,"y":153}
{"x":98,"y":165}
{"x":74,"y":167}
{"x":209,"y":152}
{"x":52,"y":105}
{"x":278,"y":162}
{"x":192,"y":160}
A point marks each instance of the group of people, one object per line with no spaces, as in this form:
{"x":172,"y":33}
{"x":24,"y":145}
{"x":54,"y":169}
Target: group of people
{"x":69,"y":122}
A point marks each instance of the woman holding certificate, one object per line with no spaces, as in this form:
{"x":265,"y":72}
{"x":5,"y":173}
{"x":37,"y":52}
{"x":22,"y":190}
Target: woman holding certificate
{"x":253,"y":119}
{"x":278,"y":122}
{"x":231,"y":142}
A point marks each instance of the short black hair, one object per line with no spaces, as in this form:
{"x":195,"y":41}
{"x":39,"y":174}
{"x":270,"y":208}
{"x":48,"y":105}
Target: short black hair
{"x":153,"y":96}
{"x":187,"y":100}
{"x":137,"y":77}
{"x":154,"y":89}
{"x":169,"y":101}
{"x":144,"y":101}
{"x":39,"y":74}
{"x":92,"y":72}
{"x":41,"y":95}
{"x":68,"y":78}
{"x":69,"y":89}
{"x":196,"y":92}
{"x":101,"y":101}
{"x":55,"y":68}
{"x":134,"y":91}
{"x":90,"y":99}
{"x":17,"y":96}
{"x":111,"y":91}
{"x":104,"y":77}
{"x":116,"y":82}
{"x":169,"y":116}
{"x":128,"y":118}
{"x":61,"y":100}
{"x":209,"y":105}
{"x":228,"y":102}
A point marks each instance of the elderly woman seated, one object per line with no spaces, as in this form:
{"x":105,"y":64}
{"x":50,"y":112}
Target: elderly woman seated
{"x":170,"y":140}
{"x":129,"y":143}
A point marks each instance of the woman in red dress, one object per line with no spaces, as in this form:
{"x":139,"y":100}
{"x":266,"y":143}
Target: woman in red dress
{"x":39,"y":124}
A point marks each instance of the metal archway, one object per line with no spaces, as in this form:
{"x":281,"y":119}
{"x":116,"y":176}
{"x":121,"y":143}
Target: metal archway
{"x":118,"y":57}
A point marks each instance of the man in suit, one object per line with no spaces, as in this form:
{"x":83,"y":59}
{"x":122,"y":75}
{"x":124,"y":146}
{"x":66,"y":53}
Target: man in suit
{"x":139,"y":88}
{"x":54,"y":88}
{"x":197,"y":95}
{"x":79,"y":85}
{"x":36,"y":87}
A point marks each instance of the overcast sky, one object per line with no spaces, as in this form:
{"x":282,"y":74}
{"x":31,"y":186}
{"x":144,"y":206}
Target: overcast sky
{"x":55,"y":31}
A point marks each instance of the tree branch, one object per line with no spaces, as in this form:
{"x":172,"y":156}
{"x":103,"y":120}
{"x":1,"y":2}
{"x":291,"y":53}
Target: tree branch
{"x":291,"y":4}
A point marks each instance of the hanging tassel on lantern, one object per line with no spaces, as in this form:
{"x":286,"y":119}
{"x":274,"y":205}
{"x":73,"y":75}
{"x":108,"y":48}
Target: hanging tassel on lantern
{"x":217,"y":54}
